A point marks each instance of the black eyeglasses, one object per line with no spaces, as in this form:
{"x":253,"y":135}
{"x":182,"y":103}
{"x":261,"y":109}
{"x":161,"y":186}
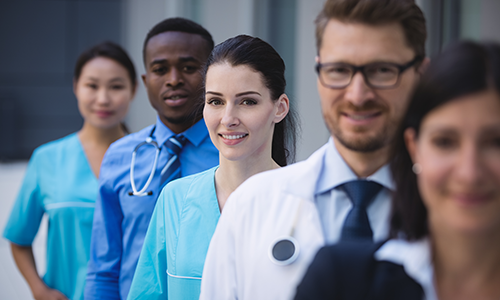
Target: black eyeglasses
{"x":379,"y":75}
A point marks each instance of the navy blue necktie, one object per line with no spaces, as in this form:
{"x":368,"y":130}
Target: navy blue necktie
{"x":356,"y":225}
{"x":172,"y":169}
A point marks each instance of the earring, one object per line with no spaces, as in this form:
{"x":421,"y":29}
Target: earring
{"x":417,"y":168}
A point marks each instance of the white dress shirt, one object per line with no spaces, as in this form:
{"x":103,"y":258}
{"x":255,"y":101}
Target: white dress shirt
{"x":333,"y":204}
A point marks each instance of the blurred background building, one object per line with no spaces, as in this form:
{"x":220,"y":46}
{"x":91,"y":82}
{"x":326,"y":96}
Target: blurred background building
{"x":41,"y":39}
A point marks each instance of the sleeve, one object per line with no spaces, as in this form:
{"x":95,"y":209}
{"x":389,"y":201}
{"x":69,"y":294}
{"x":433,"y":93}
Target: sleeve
{"x":219,"y":273}
{"x":103,"y":270}
{"x":27,"y":212}
{"x":150,"y":278}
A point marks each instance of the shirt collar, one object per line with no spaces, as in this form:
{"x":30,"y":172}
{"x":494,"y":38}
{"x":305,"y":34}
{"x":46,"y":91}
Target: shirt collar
{"x":195,"y":134}
{"x":416,"y":259}
{"x":336,"y":172}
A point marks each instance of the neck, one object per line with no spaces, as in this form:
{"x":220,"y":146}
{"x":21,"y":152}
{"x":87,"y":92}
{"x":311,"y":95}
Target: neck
{"x":99,"y":136}
{"x":363,"y":164}
{"x":231,"y":174}
{"x":180,"y":127}
{"x":467,"y":266}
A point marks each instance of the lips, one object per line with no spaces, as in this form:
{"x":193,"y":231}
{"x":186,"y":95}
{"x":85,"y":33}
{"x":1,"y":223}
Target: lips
{"x":361,"y":118}
{"x":103,"y":113}
{"x":233,"y":138}
{"x":174,"y":99}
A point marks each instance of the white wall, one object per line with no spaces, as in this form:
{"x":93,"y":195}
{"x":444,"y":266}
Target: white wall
{"x":314,"y":131}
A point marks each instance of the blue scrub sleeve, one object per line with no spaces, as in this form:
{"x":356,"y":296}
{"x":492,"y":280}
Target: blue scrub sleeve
{"x":150,"y":278}
{"x":28,"y":210}
{"x":106,"y":243}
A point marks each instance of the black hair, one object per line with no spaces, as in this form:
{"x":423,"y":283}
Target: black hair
{"x":181,"y":25}
{"x":462,"y":69}
{"x":109,"y":50}
{"x":261,"y":57}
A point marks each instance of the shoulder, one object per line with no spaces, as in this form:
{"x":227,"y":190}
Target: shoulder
{"x":276,"y":180}
{"x":131,"y":140}
{"x":119,"y":153}
{"x":56,"y":150}
{"x":182,"y":186}
{"x":63,"y":143}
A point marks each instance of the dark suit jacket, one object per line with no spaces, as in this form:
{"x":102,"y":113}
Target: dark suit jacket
{"x":349,"y":271}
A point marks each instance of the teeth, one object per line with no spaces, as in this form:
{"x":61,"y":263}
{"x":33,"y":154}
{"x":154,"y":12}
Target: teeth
{"x":233,"y":137}
{"x":175,"y":97}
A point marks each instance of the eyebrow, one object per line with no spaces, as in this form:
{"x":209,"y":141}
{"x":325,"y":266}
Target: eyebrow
{"x":237,"y":95}
{"x":181,"y":59}
{"x":113,"y":79}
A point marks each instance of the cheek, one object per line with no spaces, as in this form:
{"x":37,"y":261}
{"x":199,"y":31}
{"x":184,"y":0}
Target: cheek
{"x":212,"y":119}
{"x":435,"y":175}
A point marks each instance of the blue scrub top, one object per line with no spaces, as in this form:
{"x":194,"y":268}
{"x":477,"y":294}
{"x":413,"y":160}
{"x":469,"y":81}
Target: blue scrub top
{"x":60,"y":183}
{"x":176,"y":244}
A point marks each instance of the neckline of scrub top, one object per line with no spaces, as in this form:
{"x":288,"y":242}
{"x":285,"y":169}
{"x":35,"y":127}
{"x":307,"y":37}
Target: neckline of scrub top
{"x":87,"y":162}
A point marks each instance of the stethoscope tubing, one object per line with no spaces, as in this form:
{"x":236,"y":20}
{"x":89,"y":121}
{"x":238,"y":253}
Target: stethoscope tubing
{"x":142,"y":192}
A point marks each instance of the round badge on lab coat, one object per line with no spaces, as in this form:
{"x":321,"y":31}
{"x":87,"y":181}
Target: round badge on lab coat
{"x":284,"y":251}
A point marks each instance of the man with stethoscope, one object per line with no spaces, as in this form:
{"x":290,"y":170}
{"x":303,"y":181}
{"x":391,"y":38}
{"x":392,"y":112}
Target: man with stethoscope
{"x":370,"y":55}
{"x":136,"y":167}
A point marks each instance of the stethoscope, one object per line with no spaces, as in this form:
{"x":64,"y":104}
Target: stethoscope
{"x":149,"y":141}
{"x":285,"y":250}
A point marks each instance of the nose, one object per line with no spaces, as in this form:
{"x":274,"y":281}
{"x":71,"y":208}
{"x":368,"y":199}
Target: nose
{"x":358,"y":92}
{"x":174,"y":78}
{"x":469,"y":166}
{"x":230,"y":118}
{"x":103,"y":96}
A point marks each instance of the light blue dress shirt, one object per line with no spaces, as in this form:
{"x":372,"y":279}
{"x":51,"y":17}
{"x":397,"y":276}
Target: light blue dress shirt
{"x":333,"y":204}
{"x":174,"y":251}
{"x":60,"y":183}
{"x":121,"y":220}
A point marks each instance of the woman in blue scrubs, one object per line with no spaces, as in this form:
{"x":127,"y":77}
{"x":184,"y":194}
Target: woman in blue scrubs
{"x":249,"y":120}
{"x":61,"y":179}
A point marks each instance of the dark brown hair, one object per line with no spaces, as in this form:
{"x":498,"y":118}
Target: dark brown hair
{"x":109,"y":50}
{"x":377,"y":12}
{"x":261,"y":57}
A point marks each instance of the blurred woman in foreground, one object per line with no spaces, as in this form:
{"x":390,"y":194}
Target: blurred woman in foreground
{"x":61,"y":179}
{"x":446,"y":211}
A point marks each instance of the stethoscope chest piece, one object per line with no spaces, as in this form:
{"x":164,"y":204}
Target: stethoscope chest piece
{"x":284,"y":250}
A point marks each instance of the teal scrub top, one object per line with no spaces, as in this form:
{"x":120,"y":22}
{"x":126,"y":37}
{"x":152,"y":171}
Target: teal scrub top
{"x":60,"y":183}
{"x":176,"y":244}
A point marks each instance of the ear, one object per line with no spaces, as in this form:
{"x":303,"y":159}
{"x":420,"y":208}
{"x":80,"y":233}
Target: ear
{"x":283,"y":106}
{"x":316,"y":59}
{"x":143,"y":76}
{"x":410,"y":137}
{"x":423,"y":65}
{"x":75,"y":82}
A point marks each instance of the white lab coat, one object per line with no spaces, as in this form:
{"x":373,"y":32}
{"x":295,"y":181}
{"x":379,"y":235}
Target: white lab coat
{"x":260,"y":211}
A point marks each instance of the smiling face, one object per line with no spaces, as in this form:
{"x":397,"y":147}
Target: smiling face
{"x":458,"y":148}
{"x":361,"y":118}
{"x":104,"y":92}
{"x":239,"y":112}
{"x":173,"y":80}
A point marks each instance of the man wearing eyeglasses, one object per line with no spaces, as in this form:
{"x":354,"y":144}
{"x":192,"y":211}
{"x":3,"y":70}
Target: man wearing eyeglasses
{"x":370,"y":56}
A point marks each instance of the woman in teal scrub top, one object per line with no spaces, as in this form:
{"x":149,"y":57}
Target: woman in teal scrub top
{"x":61,"y":179}
{"x":248,"y":118}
